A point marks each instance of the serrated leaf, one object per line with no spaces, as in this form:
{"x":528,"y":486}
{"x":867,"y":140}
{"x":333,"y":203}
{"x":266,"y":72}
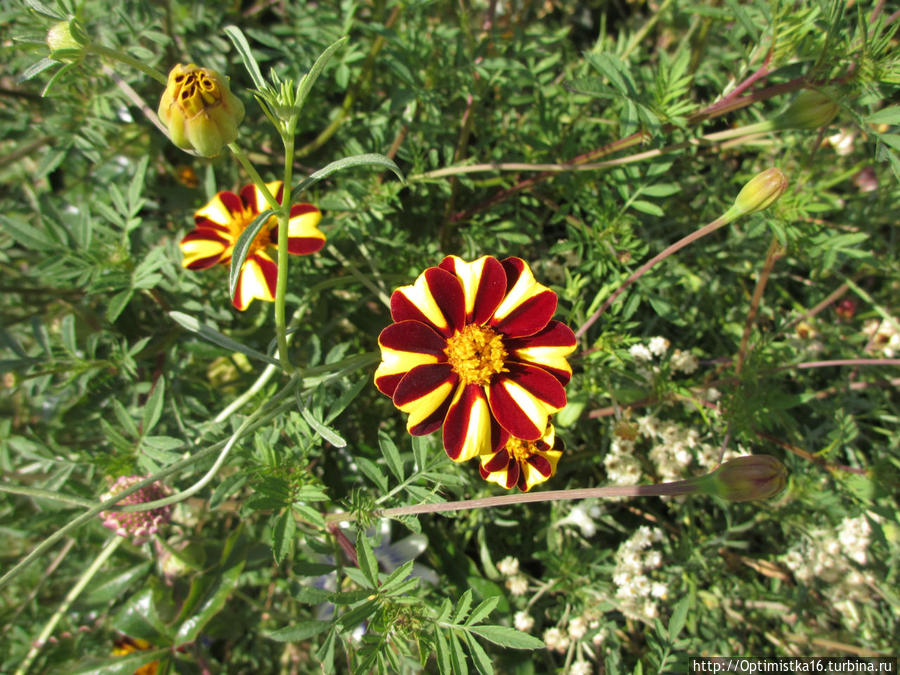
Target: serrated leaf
{"x":508,"y":637}
{"x":462,"y":606}
{"x":479,"y":657}
{"x":442,"y":655}
{"x":391,"y":455}
{"x":326,"y":432}
{"x":309,"y":514}
{"x":397,"y":577}
{"x":484,"y":608}
{"x":357,"y":615}
{"x":373,"y":472}
{"x":154,"y":406}
{"x":366,"y":557}
{"x":27,"y":234}
{"x":190,"y":323}
{"x":299,"y":631}
{"x":679,"y":616}
{"x":457,"y":655}
{"x":118,"y":304}
{"x":283,"y":532}
{"x":444,"y":612}
{"x":368,"y":159}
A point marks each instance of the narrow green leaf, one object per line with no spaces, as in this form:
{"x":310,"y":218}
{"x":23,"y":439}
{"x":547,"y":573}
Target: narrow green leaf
{"x":124,"y":418}
{"x":139,"y":618}
{"x":484,"y":608}
{"x":479,"y":657}
{"x":44,"y":10}
{"x":118,"y":304}
{"x":242,"y":248}
{"x":367,"y":562}
{"x":508,"y":637}
{"x":37,"y":67}
{"x":346,"y":399}
{"x":106,"y":589}
{"x":299,"y":631}
{"x":391,"y":454}
{"x":214,"y":336}
{"x":397,"y":577}
{"x":283,"y":532}
{"x":373,"y":472}
{"x":154,"y":406}
{"x":647,"y":207}
{"x":27,"y":234}
{"x":325,"y":653}
{"x":357,"y":615}
{"x":305,"y":85}
{"x":462,"y":607}
{"x":890,"y":115}
{"x":243,"y":49}
{"x":368,"y":159}
{"x":444,"y":612}
{"x":679,"y":616}
{"x":442,"y":655}
{"x":323,"y":430}
{"x":457,"y":655}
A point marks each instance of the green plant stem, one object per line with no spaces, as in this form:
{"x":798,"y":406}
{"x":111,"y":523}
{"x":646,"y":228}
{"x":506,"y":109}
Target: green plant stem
{"x":111,"y":545}
{"x":774,"y":253}
{"x":122,"y":57}
{"x":45,"y":494}
{"x":637,"y":274}
{"x":675,"y":488}
{"x":223,"y":455}
{"x":284,"y":215}
{"x":245,"y":162}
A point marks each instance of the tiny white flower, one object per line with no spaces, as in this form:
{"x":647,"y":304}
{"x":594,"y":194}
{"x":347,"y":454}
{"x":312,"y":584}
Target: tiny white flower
{"x":684,"y":361}
{"x":556,"y":640}
{"x":523,"y":621}
{"x":658,"y":345}
{"x":581,"y":668}
{"x":577,"y":628}
{"x":650,"y":610}
{"x":600,"y":637}
{"x":653,"y":560}
{"x":640,"y":352}
{"x":509,"y":566}
{"x":659,"y":590}
{"x":517,"y":585}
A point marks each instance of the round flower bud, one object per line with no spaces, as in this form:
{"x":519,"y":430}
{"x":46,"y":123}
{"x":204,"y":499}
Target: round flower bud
{"x":747,"y":478}
{"x":811,"y":109}
{"x":761,"y":191}
{"x":137,"y":525}
{"x":199,"y":110}
{"x":67,"y":40}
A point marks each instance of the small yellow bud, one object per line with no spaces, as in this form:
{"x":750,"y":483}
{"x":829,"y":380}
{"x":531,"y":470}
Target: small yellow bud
{"x":199,"y":110}
{"x":811,"y":109}
{"x":761,"y":191}
{"x":747,"y":478}
{"x":66,"y":40}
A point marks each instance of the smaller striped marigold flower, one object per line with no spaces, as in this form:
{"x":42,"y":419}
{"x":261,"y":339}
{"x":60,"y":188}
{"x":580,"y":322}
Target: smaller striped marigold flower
{"x":199,"y":110}
{"x":137,"y":525}
{"x":523,"y":464}
{"x":128,"y":645}
{"x":473,"y":350}
{"x":219,"y":224}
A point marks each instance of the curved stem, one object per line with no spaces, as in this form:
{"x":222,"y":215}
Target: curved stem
{"x":637,"y":274}
{"x":122,"y":57}
{"x":111,"y":545}
{"x":675,"y":488}
{"x":45,"y":494}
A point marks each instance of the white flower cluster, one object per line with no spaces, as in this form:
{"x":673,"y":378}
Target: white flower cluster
{"x":883,"y":337}
{"x":824,"y":557}
{"x":515,"y":582}
{"x":656,"y":348}
{"x":635,"y":559}
{"x":674,"y":449}
{"x":582,"y":517}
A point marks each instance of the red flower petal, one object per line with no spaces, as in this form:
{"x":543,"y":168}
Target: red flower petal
{"x":547,"y":349}
{"x":425,"y":393}
{"x":469,"y":428}
{"x":436,"y":299}
{"x":224,"y":212}
{"x":523,"y":398}
{"x":483,"y":282}
{"x":258,"y":278}
{"x":404,"y":346}
{"x":527,"y":306}
{"x":541,"y":464}
{"x":203,"y":247}
{"x":498,"y":462}
{"x":253,"y":198}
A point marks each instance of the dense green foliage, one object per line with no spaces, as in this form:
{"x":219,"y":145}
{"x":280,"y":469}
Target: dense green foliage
{"x":582,"y":136}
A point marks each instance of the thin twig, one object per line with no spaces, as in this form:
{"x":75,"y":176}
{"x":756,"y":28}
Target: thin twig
{"x":772,"y":256}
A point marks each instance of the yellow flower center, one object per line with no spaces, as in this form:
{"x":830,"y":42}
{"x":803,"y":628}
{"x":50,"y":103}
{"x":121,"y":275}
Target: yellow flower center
{"x":198,"y":91}
{"x":520,"y":450}
{"x":475,"y":354}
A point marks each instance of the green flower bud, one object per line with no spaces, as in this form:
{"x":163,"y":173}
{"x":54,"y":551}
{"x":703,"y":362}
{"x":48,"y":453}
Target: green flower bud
{"x":811,"y":109}
{"x":67,"y":40}
{"x":760,"y":192}
{"x":199,"y":110}
{"x":746,"y":478}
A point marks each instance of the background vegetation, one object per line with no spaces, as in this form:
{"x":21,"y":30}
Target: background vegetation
{"x":610,"y":126}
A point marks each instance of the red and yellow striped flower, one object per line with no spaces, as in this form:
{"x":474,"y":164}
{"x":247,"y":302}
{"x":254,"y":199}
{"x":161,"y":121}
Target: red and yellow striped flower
{"x":523,"y":464}
{"x":219,"y":224}
{"x":473,"y":349}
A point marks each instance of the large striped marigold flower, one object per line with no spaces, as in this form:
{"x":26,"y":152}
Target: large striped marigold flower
{"x":473,"y":349}
{"x":523,"y":464}
{"x":219,"y":224}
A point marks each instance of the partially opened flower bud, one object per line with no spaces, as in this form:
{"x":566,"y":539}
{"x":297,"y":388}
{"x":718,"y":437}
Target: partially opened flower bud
{"x":199,"y":110}
{"x":747,"y":478}
{"x":811,"y":109}
{"x":761,"y":191}
{"x":67,"y":40}
{"x":137,"y":525}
